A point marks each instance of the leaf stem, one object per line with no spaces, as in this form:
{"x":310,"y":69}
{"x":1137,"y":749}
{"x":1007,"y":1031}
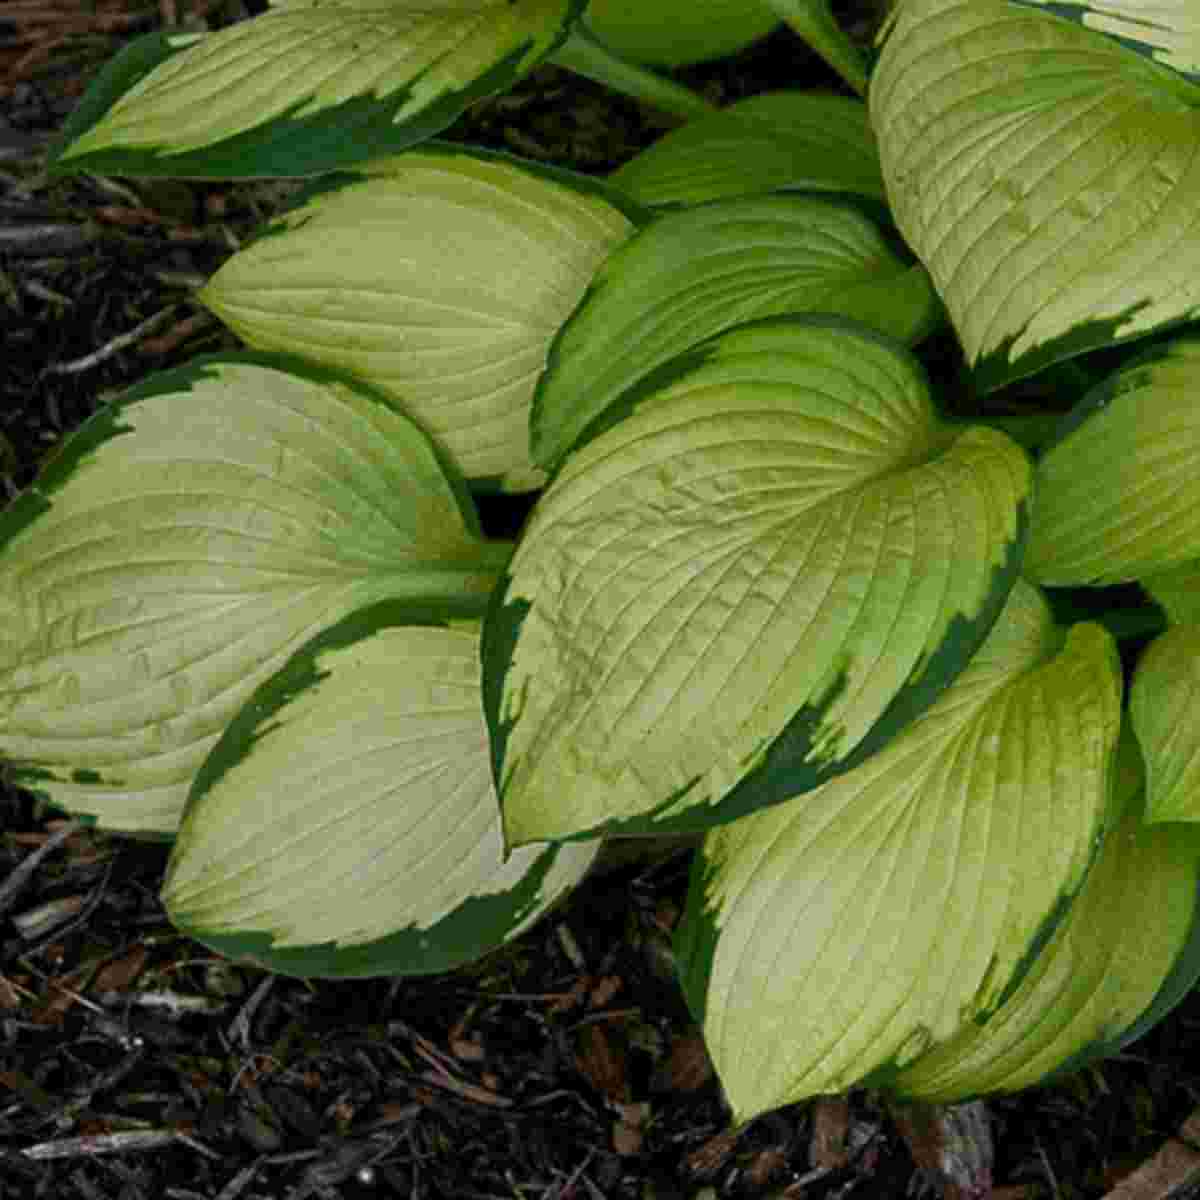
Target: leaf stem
{"x":586,"y":55}
{"x":813,"y":21}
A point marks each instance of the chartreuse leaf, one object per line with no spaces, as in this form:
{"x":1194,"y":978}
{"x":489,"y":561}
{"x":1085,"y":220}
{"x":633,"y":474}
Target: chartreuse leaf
{"x":1119,"y":492}
{"x":841,"y":935}
{"x":1114,"y":958}
{"x":1047,"y":177}
{"x":441,"y":277}
{"x":777,"y":141}
{"x":765,"y":571}
{"x":1167,"y":31}
{"x":689,"y":275}
{"x":185,"y":541}
{"x":671,"y":33}
{"x":1178,"y":592}
{"x":1164,"y":707}
{"x":307,"y":87}
{"x":346,"y":823}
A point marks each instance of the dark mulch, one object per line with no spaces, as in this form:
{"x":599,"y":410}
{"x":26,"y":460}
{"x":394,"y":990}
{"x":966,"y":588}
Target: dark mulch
{"x":135,"y":1065}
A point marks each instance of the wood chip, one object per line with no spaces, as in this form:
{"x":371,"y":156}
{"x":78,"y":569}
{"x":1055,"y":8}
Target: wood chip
{"x":605,"y":990}
{"x":831,"y":1126}
{"x":953,"y":1142}
{"x":766,"y":1166}
{"x":601,"y":1060}
{"x":627,"y":1131}
{"x":688,"y":1068}
{"x":118,"y":973}
{"x":713,"y":1155}
{"x":626,"y":1139}
{"x":1172,"y":1172}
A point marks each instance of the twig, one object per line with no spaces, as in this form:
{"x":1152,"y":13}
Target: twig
{"x":37,"y":239}
{"x":102,"y":1143}
{"x":40,"y":291}
{"x":240,"y":1182}
{"x":117,"y":189}
{"x":239,"y":1027}
{"x":89,"y":905}
{"x":121,"y":342}
{"x":178,"y":334}
{"x":570,"y":947}
{"x":23,"y":872}
{"x":468,"y":1091}
{"x":176,"y":1003}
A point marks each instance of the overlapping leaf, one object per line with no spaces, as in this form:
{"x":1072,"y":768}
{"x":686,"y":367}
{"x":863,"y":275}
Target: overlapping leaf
{"x":1049,"y":179}
{"x":346,"y":824}
{"x":768,"y":568}
{"x":1178,"y":592}
{"x":439,"y":276}
{"x":689,"y":275}
{"x":1119,"y":491}
{"x":1168,"y":31}
{"x":1164,"y":707}
{"x":187,"y":539}
{"x":777,"y":141}
{"x":842,"y":934}
{"x":308,"y":86}
{"x":1124,"y":950}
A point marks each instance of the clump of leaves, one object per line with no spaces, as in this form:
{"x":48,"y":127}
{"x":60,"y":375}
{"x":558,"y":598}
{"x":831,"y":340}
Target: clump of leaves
{"x":770,"y":591}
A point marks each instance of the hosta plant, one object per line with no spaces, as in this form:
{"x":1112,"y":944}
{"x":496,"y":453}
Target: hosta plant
{"x":865,"y":439}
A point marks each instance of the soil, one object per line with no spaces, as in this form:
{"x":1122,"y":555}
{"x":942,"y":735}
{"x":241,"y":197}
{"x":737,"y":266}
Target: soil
{"x":136,"y":1065}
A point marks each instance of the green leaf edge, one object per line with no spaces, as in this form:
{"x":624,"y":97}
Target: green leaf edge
{"x":1128,"y":377}
{"x":1074,"y":10}
{"x":105,"y":424}
{"x":759,"y":788}
{"x":696,"y":938}
{"x":285,"y":147}
{"x":994,"y":370}
{"x":450,"y":943}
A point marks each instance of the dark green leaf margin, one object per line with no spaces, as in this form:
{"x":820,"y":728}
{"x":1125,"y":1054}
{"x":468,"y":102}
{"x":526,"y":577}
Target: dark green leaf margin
{"x":456,"y":939}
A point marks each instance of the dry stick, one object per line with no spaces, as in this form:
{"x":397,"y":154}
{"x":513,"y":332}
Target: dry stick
{"x":21,"y":875}
{"x":89,"y":905}
{"x":240,"y":1182}
{"x":239,"y":1027}
{"x":178,"y":334}
{"x":103,"y":1143}
{"x":121,"y":342}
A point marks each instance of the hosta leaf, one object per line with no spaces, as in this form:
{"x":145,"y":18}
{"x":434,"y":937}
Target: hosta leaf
{"x":1047,"y":177}
{"x":1178,"y":592}
{"x":689,"y":275}
{"x":1168,"y":31}
{"x":439,"y":276}
{"x":670,"y":33}
{"x":842,"y":934}
{"x":346,"y":823}
{"x":1164,"y":707}
{"x":184,"y":542}
{"x":777,"y":141}
{"x":309,"y":86}
{"x":766,"y":570}
{"x":1108,"y":963}
{"x":1119,"y":492}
